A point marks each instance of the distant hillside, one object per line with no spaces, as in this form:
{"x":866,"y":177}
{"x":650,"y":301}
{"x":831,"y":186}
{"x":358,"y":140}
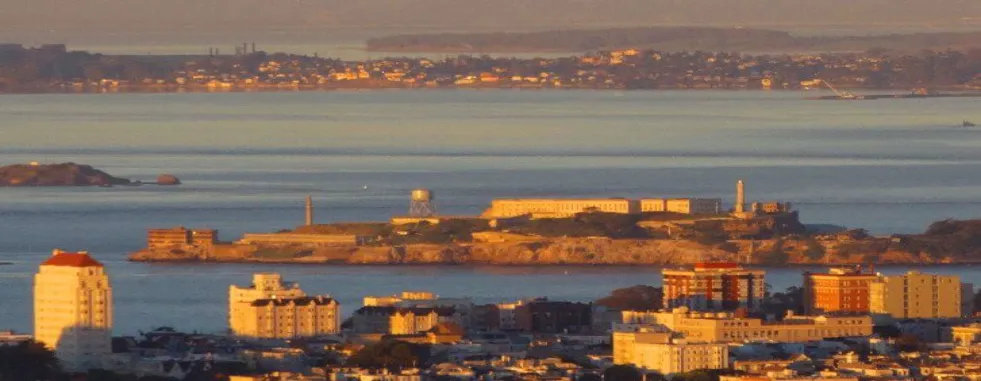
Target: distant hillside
{"x":665,"y":39}
{"x":66,"y":174}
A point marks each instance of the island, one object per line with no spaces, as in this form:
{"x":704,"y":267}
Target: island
{"x":64,"y":174}
{"x":575,"y":232}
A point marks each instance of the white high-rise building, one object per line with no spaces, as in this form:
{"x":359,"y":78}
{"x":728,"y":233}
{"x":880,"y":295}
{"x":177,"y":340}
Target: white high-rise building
{"x":73,"y":309}
{"x":264,"y":286}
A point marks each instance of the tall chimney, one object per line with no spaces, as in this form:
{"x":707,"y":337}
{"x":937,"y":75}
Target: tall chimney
{"x":740,"y":197}
{"x":309,"y":210}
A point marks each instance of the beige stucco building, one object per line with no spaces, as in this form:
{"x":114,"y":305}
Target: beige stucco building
{"x":918,"y":296}
{"x":967,"y":334}
{"x":287,"y":318}
{"x":656,"y":351}
{"x":272,"y":308}
{"x":73,"y":309}
{"x":723,"y":327}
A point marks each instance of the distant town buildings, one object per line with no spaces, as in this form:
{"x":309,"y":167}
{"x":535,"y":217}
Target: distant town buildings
{"x":411,"y":312}
{"x":73,"y":309}
{"x":714,"y":287}
{"x":915,"y":295}
{"x":393,"y":320}
{"x":271,"y":308}
{"x":843,"y":290}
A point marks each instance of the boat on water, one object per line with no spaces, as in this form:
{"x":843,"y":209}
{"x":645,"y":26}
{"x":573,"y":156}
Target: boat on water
{"x":967,"y":124}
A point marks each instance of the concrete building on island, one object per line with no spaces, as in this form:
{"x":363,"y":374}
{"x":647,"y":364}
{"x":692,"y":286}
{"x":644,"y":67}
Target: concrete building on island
{"x":559,"y":208}
{"x":566,"y":208}
{"x":714,"y":287}
{"x":272,"y":308}
{"x":181,"y":238}
{"x":73,"y":309}
{"x":694,"y":206}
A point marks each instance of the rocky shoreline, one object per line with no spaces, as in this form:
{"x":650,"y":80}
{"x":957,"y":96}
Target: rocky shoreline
{"x":554,"y":251}
{"x":68,"y":175}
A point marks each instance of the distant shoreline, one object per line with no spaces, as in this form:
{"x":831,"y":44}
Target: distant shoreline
{"x":968,"y":91}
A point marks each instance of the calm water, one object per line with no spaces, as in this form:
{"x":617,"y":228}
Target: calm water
{"x":248,"y":160}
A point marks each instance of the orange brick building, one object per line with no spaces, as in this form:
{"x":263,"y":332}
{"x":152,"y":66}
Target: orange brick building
{"x":838,"y":291}
{"x":714,"y":287}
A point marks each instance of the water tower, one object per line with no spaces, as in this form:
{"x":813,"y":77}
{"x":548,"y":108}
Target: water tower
{"x":422,"y":203}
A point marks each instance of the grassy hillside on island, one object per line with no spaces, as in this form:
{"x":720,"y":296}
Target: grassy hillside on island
{"x":64,"y":174}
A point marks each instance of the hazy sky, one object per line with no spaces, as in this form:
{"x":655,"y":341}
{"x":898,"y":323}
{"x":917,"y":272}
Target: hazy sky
{"x":203,"y":22}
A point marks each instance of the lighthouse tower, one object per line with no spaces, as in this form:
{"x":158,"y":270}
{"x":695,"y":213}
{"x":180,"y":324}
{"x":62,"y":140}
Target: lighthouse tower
{"x":309,"y":210}
{"x":740,"y":206}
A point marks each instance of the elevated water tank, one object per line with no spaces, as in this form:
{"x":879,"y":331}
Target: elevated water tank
{"x":422,"y":195}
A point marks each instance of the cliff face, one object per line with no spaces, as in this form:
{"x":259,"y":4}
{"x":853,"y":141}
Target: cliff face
{"x":567,"y":251}
{"x":943,"y":242}
{"x":65,"y":174}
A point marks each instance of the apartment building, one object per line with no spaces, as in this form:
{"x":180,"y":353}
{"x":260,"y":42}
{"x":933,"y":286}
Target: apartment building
{"x":915,"y":295}
{"x":73,"y":309}
{"x":714,"y":287}
{"x":842,"y":290}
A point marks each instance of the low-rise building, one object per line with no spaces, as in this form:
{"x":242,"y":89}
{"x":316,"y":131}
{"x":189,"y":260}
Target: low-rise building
{"x":289,"y":318}
{"x":242,"y":314}
{"x":656,"y":351}
{"x":725,"y":327}
{"x":967,"y":334}
{"x":403,"y":320}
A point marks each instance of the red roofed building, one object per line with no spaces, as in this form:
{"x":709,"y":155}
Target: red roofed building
{"x":73,"y":309}
{"x":61,"y":258}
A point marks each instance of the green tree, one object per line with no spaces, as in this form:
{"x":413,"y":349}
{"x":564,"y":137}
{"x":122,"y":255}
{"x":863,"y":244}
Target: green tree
{"x":29,"y":360}
{"x":634,"y":298}
{"x":392,"y":354}
{"x":909,"y":343}
{"x":622,"y":373}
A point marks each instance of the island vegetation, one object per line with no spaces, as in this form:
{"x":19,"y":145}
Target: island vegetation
{"x":64,"y":174}
{"x":590,"y":238}
{"x":68,"y":174}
